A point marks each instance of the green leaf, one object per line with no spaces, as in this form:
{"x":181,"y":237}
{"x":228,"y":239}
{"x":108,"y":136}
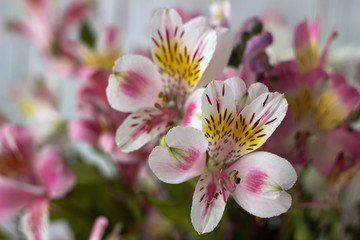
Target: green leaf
{"x":301,"y":228}
{"x":177,"y":212}
{"x":94,"y":196}
{"x":87,"y":34}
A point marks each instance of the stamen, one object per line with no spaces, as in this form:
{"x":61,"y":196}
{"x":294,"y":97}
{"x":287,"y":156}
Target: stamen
{"x":157,"y":105}
{"x":165,"y":98}
{"x":233,"y":173}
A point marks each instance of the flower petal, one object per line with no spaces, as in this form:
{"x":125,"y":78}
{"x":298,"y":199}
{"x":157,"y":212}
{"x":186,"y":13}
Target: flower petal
{"x":53,"y":173}
{"x":264,"y":179}
{"x":255,"y":46}
{"x":134,"y":84}
{"x":142,"y":126}
{"x":218,"y":111}
{"x":305,"y":45}
{"x":324,"y":53}
{"x":239,"y":90}
{"x":208,"y":204}
{"x":183,"y":158}
{"x":99,"y":228}
{"x":219,"y":58}
{"x":182,"y":52}
{"x":335,"y":141}
{"x":257,"y":121}
{"x":15,"y":196}
{"x":244,"y":96}
{"x":83,"y":130}
{"x":192,"y":110}
{"x":35,"y":222}
{"x":256,"y":89}
{"x":334,"y":105}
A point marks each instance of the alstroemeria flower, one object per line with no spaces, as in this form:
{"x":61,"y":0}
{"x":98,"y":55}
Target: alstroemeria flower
{"x":185,"y":56}
{"x":318,"y":103}
{"x":97,"y":123}
{"x":39,"y":103}
{"x":236,"y":122}
{"x":306,"y":45}
{"x":29,"y":179}
{"x":51,"y":34}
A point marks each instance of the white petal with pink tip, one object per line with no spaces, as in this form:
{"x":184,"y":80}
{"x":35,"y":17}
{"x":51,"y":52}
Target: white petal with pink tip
{"x":140,"y":128}
{"x":264,"y":179}
{"x":134,"y":84}
{"x":183,"y":159}
{"x":192,"y":110}
{"x":208,"y":204}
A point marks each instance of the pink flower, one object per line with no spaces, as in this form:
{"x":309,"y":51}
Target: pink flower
{"x":28,"y":179}
{"x":51,"y":34}
{"x":157,"y":95}
{"x":306,"y":45}
{"x":236,"y":122}
{"x":99,"y":228}
{"x":98,"y":122}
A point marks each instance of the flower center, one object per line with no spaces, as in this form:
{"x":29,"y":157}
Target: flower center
{"x":12,"y":164}
{"x":228,"y":180}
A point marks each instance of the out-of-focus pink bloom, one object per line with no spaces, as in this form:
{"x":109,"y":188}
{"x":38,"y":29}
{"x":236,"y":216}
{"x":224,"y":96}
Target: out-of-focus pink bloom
{"x":50,"y":34}
{"x":29,"y":178}
{"x":97,"y":124}
{"x":34,"y":223}
{"x":243,"y":72}
{"x":329,"y":145}
{"x":319,"y":103}
{"x":327,"y":105}
{"x":186,"y":56}
{"x":236,"y":121}
{"x":306,"y":45}
{"x":96,"y":115}
{"x":99,"y":228}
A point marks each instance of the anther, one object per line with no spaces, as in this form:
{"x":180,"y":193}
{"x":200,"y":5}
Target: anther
{"x":223,"y":166}
{"x":233,"y":173}
{"x":169,"y":124}
{"x":157,"y":105}
{"x":221,"y":181}
{"x":165,"y":98}
{"x":237,"y":180}
{"x":161,"y":94}
{"x":216,"y":195}
{"x":148,"y":122}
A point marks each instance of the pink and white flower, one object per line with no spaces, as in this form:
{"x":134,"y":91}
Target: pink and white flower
{"x":306,"y":45}
{"x":29,"y":179}
{"x":50,"y":34}
{"x":236,"y":121}
{"x":185,"y":57}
